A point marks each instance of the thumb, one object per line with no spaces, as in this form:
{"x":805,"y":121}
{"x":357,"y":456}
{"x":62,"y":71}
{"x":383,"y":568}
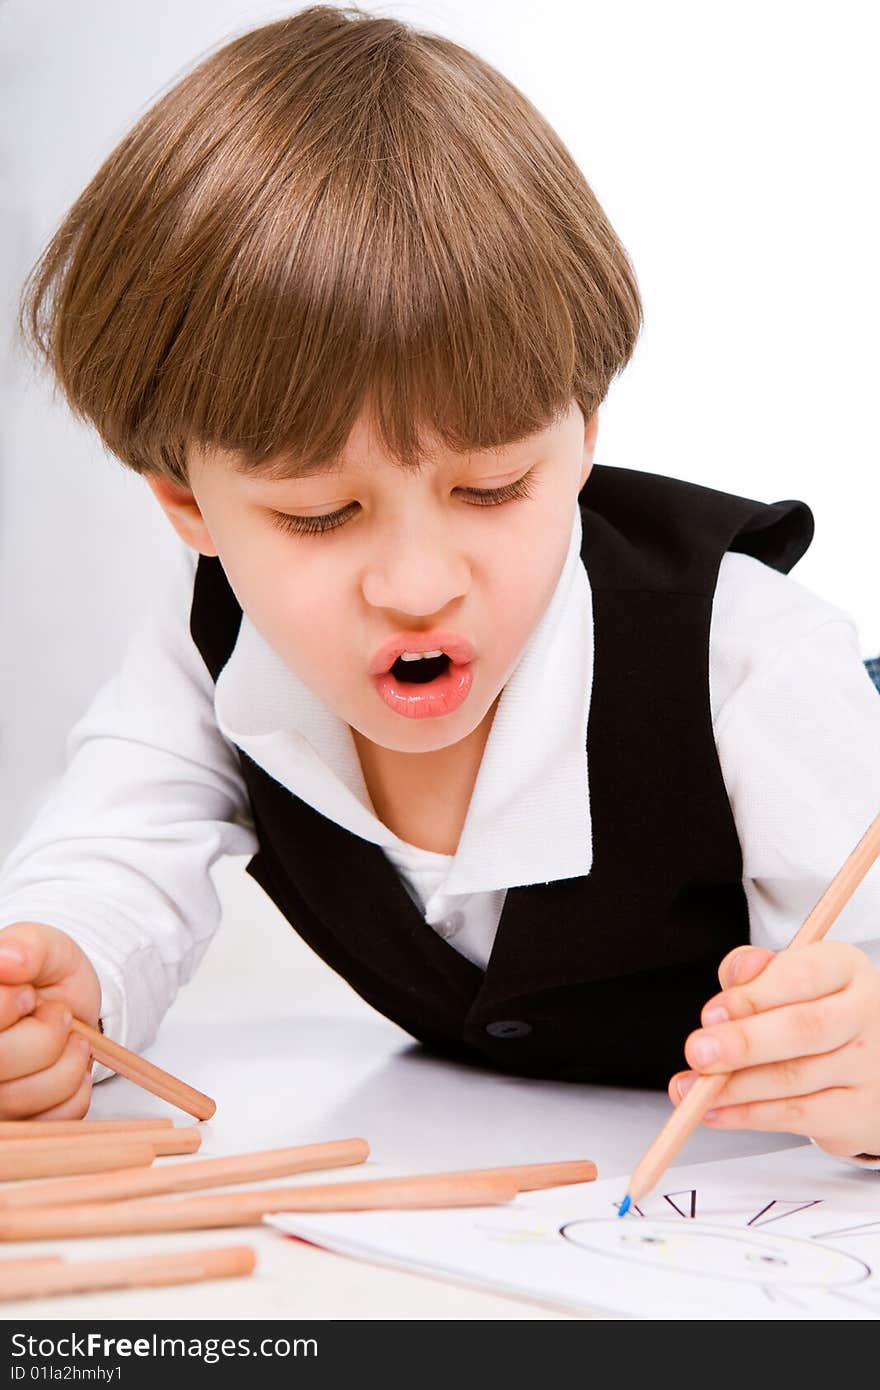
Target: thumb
{"x":33,"y":953}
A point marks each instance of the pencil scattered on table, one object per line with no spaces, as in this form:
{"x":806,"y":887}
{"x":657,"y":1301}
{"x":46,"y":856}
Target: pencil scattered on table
{"x":186,"y":1177}
{"x":58,"y":1156}
{"x":531,"y":1177}
{"x":66,"y":1205}
{"x":705,"y":1091}
{"x":167,"y":1140}
{"x":42,"y":1278}
{"x":249,"y":1208}
{"x":47,"y":1129}
{"x":467,"y":1187}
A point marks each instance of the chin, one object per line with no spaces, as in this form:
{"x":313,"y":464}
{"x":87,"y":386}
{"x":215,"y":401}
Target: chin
{"x":402,"y":735}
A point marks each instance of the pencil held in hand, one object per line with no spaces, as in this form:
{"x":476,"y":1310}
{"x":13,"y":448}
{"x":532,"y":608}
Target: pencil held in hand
{"x":45,"y":981}
{"x":706,"y":1090}
{"x":144,"y":1073}
{"x":47,"y":987}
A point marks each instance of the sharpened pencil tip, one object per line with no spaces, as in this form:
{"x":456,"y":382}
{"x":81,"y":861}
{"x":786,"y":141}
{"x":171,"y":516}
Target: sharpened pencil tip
{"x":624,"y":1206}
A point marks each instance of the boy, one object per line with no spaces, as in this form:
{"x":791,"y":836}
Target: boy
{"x":522,"y":746}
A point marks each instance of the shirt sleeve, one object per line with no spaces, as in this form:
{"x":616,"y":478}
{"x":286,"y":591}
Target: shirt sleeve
{"x":120,"y":851}
{"x":799,"y":745}
{"x":797,"y":726}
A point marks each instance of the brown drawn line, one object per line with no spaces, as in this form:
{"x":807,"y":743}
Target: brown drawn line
{"x":668,"y":1196}
{"x":792,"y":1210}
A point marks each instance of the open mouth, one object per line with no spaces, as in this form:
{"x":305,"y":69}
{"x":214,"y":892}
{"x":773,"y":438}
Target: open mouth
{"x":422,"y":670}
{"x":425,"y":687}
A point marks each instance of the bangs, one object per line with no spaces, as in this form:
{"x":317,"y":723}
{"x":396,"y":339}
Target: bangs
{"x":333,"y":214}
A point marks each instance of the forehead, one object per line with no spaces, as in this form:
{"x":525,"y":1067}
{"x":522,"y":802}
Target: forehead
{"x":364,"y":451}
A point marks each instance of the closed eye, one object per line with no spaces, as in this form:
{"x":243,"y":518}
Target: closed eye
{"x":480,"y":497}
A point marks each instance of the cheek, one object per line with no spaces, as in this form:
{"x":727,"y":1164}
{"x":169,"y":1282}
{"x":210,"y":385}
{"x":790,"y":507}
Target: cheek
{"x":529,"y":566}
{"x":296,"y":608}
{"x":305,"y":615}
{"x":521,"y":581}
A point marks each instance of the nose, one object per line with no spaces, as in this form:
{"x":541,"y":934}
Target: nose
{"x":417,"y":568}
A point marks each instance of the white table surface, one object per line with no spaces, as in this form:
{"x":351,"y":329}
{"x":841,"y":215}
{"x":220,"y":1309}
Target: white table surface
{"x":291,"y":1055}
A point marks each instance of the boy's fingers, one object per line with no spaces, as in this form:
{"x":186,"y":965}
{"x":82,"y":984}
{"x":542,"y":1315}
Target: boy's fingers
{"x":743,"y":963}
{"x":32,"y":952}
{"x":795,"y":1076}
{"x":74,"y":1109}
{"x":798,"y":1030}
{"x":15,"y":1001}
{"x":43,"y":1090}
{"x":679,"y":1085}
{"x":35,"y":1042}
{"x":824,"y":1112}
{"x":789,"y":978}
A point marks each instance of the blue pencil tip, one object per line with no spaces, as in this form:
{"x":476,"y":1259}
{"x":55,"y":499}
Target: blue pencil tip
{"x":624,"y":1206}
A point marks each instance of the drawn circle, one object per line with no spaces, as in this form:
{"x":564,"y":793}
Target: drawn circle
{"x":718,"y":1252}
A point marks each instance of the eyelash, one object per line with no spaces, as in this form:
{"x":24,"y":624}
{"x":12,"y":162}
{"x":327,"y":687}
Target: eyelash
{"x":315,"y":525}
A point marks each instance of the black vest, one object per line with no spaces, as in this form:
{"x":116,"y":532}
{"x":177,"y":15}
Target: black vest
{"x":598,"y":978}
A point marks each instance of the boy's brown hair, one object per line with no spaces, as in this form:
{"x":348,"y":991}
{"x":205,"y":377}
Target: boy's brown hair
{"x":331,"y":212}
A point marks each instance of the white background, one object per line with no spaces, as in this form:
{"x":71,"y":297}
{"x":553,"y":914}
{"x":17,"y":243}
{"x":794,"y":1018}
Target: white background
{"x":733,"y":147}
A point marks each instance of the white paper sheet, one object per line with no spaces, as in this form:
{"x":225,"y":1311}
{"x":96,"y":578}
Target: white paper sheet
{"x":791,"y":1234}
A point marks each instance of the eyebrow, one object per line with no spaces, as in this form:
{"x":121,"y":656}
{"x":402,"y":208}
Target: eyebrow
{"x":287,"y":470}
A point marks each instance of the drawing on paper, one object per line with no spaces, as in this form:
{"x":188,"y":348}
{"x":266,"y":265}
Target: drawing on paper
{"x":781,"y":1235}
{"x":720,"y":1252}
{"x":783,"y":1265}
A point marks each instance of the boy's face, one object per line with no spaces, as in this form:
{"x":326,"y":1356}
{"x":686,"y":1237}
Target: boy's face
{"x":415,"y":553}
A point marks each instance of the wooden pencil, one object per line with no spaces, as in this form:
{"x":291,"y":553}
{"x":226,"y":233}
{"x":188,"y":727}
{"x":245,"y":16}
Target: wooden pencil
{"x":179,"y":1139}
{"x":9,"y":1267}
{"x":186,"y":1177}
{"x":248,"y":1208}
{"x":531,"y":1177}
{"x":140,"y":1271}
{"x":144,"y":1073}
{"x":51,"y":1129}
{"x":707,"y":1089}
{"x":49,"y":1158}
{"x":171,"y":1139}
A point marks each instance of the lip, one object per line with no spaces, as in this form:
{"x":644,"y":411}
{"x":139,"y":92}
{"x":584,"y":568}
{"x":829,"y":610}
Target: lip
{"x":459,"y":650}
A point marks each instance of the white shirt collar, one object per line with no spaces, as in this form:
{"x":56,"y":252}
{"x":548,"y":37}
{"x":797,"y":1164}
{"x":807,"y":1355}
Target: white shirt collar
{"x":529,"y":817}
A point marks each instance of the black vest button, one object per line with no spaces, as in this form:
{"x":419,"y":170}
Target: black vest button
{"x":509,"y":1028}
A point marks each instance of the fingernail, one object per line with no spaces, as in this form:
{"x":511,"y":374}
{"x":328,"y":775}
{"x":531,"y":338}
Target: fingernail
{"x":711,"y":1115}
{"x":12,"y":953}
{"x":739,"y":965}
{"x":684,"y":1085}
{"x":85,"y":1045}
{"x":705,"y":1050}
{"x":716,"y":1014}
{"x":26,"y":999}
{"x":66,"y":1018}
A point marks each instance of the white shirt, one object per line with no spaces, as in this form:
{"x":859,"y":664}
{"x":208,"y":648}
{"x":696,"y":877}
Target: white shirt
{"x":119,"y":852}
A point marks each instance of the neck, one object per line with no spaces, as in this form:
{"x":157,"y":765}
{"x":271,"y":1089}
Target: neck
{"x":424,"y":797}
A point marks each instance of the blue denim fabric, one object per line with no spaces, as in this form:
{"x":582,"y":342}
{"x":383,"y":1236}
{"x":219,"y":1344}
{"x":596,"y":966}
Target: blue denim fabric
{"x":873,"y":669}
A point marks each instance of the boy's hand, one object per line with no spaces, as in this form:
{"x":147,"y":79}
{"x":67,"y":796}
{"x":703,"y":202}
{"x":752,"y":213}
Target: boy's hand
{"x":803,"y":1037}
{"x":45,"y":1070}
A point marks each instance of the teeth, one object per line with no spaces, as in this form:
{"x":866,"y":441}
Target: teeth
{"x":418,"y":656}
